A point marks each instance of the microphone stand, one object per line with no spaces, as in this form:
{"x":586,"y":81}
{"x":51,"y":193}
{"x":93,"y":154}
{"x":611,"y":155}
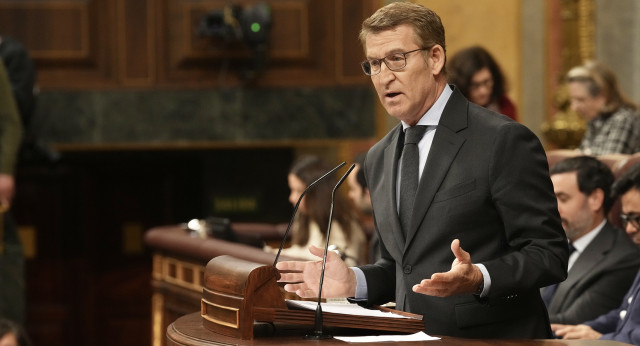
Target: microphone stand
{"x":318,"y":334}
{"x":295,"y":210}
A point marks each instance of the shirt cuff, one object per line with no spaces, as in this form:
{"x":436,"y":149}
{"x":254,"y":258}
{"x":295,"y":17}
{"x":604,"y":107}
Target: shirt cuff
{"x":485,"y":277}
{"x":361,"y":284}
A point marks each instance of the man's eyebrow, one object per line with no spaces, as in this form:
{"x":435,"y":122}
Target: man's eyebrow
{"x":390,"y":52}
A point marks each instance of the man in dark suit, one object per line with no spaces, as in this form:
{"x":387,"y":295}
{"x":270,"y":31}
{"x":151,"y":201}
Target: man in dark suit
{"x":481,"y":183}
{"x":622,"y":323}
{"x":605,"y":260}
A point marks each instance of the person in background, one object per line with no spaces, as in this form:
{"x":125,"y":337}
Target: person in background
{"x":312,"y":220}
{"x":463,"y":202}
{"x":479,"y":77}
{"x":622,"y":323}
{"x":359,"y":194}
{"x":12,"y":282}
{"x":604,"y":260}
{"x":22,"y":75}
{"x":613,"y":123}
{"x":11,"y":334}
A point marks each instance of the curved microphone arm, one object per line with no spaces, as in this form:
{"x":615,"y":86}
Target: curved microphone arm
{"x":318,"y":334}
{"x":295,"y":210}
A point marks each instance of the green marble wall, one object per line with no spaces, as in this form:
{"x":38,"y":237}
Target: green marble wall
{"x":239,"y":114}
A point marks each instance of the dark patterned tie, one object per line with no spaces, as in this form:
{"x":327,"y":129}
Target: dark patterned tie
{"x":409,"y":174}
{"x":550,"y":291}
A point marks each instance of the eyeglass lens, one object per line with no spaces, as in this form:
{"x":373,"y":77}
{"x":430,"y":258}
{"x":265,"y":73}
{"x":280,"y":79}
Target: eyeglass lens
{"x":393,"y":62}
{"x":634,"y":219}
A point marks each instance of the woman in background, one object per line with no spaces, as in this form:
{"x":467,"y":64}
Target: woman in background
{"x":475,"y":72}
{"x":613,"y":123}
{"x":11,"y":334}
{"x":311,"y":222}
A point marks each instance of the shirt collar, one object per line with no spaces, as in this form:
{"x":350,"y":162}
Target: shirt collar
{"x":581,"y":243}
{"x":433,"y":115}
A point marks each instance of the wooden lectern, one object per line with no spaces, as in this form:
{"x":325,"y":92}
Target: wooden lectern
{"x":238,"y":293}
{"x":234,"y":289}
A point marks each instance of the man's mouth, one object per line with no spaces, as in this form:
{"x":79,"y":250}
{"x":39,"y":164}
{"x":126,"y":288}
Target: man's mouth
{"x":391,"y":95}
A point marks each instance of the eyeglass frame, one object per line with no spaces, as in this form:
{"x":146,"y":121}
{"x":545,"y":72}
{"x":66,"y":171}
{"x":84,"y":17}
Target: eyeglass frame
{"x":384,"y":59}
{"x":487,"y":83}
{"x":633,"y":218}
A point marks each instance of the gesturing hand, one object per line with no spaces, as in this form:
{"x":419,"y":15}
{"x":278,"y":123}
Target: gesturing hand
{"x":464,"y":277}
{"x":303,"y":278}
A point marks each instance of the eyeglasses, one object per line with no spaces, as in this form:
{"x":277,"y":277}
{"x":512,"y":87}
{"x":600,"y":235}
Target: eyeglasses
{"x":394,"y":62}
{"x":632,"y":218}
{"x":487,"y":83}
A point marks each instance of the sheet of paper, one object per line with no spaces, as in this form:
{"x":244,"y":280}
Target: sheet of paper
{"x":419,"y":336}
{"x":341,"y":308}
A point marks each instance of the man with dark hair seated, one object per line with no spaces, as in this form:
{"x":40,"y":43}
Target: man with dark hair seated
{"x":603,"y":260}
{"x":622,"y":323}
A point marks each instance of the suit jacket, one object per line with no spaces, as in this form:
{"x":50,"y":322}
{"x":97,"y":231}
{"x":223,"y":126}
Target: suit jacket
{"x":485,"y":182}
{"x":622,"y":324}
{"x":598,"y":279}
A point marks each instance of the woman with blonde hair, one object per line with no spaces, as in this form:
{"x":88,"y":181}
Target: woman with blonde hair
{"x":613,"y":124}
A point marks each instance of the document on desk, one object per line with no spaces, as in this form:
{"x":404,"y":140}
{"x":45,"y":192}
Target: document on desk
{"x":419,"y":336}
{"x":341,"y":308}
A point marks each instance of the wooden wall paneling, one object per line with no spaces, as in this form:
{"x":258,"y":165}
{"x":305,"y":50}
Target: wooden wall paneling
{"x":314,"y":40}
{"x":68,"y":39}
{"x":147,"y":43}
{"x":176,"y":63}
{"x":290,"y":32}
{"x":301,"y":45}
{"x":298,"y":47}
{"x":51,"y":30}
{"x":136,"y":42}
{"x":349,"y":53}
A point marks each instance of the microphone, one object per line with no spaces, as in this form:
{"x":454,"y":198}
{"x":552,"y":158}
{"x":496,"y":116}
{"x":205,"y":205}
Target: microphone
{"x":295,"y":210}
{"x":317,"y":333}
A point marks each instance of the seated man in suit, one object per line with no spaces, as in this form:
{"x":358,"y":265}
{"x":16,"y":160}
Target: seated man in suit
{"x":605,"y":260}
{"x":622,"y":323}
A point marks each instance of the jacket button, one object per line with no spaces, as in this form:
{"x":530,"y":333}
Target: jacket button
{"x":407,"y":269}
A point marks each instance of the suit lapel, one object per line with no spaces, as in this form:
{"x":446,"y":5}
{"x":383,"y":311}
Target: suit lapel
{"x":391,"y":159}
{"x":590,"y":257}
{"x":445,"y":147}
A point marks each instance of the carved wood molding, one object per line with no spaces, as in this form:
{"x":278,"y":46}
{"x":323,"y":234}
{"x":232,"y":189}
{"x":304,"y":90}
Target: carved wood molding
{"x":154,"y":43}
{"x":53,"y":30}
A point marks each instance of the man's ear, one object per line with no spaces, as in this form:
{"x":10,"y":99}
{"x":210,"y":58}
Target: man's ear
{"x":437,"y":58}
{"x":596,"y":199}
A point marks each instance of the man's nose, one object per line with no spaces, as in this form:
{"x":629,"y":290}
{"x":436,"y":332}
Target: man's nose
{"x":385,"y":72}
{"x":630,"y":229}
